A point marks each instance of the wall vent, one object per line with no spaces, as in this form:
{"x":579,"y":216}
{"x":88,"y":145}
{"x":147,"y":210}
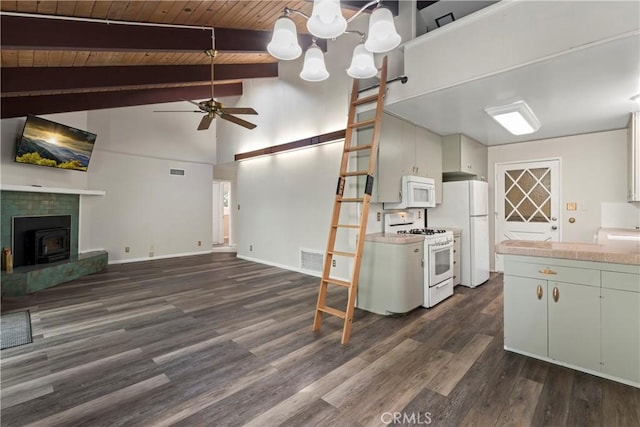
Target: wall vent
{"x":176,"y":172}
{"x":311,"y":260}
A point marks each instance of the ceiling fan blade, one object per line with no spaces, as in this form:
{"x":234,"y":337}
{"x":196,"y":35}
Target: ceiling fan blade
{"x":177,"y":111}
{"x":205,"y":122}
{"x":238,"y":110}
{"x":237,"y":120}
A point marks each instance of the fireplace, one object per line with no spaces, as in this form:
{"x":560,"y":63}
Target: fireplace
{"x":41,"y":239}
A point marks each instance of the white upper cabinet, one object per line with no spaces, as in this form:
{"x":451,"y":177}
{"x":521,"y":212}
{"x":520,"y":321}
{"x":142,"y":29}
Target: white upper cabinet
{"x":633,"y":158}
{"x":463,"y":156}
{"x":403,"y":149}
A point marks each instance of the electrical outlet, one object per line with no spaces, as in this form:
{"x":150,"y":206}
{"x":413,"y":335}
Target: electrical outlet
{"x":199,"y":242}
{"x":333,"y":263}
{"x":151,"y":254}
{"x":127,"y":249}
{"x":250,"y":248}
{"x":378,"y":216}
{"x":238,"y":206}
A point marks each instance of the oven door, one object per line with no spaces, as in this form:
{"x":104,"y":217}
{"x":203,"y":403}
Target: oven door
{"x":440,"y":263}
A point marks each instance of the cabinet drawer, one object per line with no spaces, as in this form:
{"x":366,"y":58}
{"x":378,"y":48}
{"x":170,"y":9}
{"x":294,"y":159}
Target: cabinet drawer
{"x":557,"y":273}
{"x":622,"y":281}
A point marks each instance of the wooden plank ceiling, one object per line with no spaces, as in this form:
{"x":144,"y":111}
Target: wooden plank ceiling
{"x":93,"y":59}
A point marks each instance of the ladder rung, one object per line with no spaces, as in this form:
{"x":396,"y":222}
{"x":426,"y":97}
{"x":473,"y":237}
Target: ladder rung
{"x":338,"y":313}
{"x":356,"y":173}
{"x":339,"y":253}
{"x":359,"y":147}
{"x":351,"y":200}
{"x":366,"y":100}
{"x":345,"y":226}
{"x":362,"y":124}
{"x":337,"y":282}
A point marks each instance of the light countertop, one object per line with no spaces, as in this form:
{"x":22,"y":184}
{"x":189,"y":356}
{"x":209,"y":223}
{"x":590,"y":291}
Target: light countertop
{"x":398,"y":239}
{"x":610,"y":248}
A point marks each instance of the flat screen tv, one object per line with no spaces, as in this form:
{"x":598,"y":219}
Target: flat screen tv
{"x":47,"y":143}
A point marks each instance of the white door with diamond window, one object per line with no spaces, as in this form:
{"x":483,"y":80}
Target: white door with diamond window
{"x":527,"y":202}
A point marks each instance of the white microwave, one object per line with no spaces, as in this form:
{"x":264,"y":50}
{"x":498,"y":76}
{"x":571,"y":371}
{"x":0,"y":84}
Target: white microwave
{"x":415,"y":192}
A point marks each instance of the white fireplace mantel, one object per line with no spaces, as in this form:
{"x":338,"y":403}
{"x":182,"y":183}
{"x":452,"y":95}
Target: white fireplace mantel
{"x":39,"y":189}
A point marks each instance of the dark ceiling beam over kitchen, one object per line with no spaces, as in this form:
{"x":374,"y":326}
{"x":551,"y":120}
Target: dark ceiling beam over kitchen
{"x":420,"y":4}
{"x":42,"y":79}
{"x":48,"y":104}
{"x":19,"y":32}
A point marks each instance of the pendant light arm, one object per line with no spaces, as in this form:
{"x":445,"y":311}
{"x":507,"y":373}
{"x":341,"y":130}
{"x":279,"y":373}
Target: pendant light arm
{"x":288,"y":11}
{"x":363,"y":8}
{"x":360,"y":33}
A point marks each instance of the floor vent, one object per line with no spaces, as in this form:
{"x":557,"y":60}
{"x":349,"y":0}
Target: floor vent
{"x":311,"y":260}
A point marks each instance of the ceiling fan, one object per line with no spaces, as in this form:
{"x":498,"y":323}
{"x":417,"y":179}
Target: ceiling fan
{"x":213,"y":108}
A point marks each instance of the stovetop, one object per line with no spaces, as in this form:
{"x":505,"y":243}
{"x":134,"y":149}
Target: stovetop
{"x":425,"y":231}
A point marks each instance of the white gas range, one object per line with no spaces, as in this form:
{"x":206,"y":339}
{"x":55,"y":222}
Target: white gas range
{"x":438,"y":250}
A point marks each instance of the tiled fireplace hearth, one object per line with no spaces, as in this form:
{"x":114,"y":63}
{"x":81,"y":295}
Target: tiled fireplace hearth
{"x":27,"y":277}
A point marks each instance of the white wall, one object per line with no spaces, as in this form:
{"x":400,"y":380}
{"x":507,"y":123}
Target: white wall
{"x":144,"y":205}
{"x":286,"y":202}
{"x":594,"y":173}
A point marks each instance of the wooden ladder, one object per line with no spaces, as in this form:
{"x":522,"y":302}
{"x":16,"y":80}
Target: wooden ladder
{"x":372,"y":147}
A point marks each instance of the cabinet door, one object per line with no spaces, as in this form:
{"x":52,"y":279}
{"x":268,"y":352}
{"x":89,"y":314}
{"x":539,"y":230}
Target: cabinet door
{"x":525,"y":314}
{"x":429,"y":158}
{"x":456,"y":259}
{"x":621,"y":334}
{"x":390,"y":160}
{"x":574,"y":324}
{"x":408,"y":141}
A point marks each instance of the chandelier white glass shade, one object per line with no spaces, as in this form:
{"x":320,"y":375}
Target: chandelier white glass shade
{"x":517,"y":118}
{"x":383,"y":36}
{"x":362,"y":65}
{"x":314,"y":69}
{"x":326,"y":21}
{"x":284,"y":42}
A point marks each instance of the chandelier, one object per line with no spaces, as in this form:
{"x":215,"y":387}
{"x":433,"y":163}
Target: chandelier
{"x":326,"y":22}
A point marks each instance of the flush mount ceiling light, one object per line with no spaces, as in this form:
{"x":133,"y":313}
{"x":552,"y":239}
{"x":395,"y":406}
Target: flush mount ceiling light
{"x":326,"y":22}
{"x":517,"y":118}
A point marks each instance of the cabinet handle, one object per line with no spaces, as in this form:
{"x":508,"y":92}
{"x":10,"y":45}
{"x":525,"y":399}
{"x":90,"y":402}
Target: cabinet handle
{"x":556,"y":294}
{"x":547,"y":271}
{"x":539,"y":291}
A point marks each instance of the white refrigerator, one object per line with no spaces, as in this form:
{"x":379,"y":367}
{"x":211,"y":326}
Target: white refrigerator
{"x":465,"y":206}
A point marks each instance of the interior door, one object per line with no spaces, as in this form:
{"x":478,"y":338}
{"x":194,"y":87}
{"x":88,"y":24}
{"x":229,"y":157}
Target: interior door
{"x":527,"y":202}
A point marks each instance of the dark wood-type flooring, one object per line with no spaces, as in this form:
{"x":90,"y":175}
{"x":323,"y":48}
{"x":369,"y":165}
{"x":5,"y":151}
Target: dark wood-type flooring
{"x":216,"y":340}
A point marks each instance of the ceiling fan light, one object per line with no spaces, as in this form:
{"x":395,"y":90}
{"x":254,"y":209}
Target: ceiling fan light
{"x":383,"y":36}
{"x":314,"y":69}
{"x":362,"y":65}
{"x":284,"y":42}
{"x":326,"y":21}
{"x":517,"y":118}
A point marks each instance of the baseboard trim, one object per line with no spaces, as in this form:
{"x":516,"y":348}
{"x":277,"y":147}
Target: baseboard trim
{"x":286,"y":267}
{"x":126,"y":261}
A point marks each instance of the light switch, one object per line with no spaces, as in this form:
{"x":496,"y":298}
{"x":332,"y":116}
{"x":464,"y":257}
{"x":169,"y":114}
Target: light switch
{"x":572,"y":206}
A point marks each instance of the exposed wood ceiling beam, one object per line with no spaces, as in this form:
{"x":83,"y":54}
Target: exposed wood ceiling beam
{"x":20,"y":32}
{"x":46,"y":104}
{"x":40,"y":79}
{"x":422,"y":4}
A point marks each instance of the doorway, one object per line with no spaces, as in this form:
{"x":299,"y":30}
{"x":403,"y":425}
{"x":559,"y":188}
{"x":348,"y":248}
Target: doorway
{"x":221,"y":214}
{"x":527,"y":202}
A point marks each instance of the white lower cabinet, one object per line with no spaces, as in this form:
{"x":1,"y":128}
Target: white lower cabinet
{"x":574,"y":313}
{"x":574,"y":324}
{"x":621,"y":325}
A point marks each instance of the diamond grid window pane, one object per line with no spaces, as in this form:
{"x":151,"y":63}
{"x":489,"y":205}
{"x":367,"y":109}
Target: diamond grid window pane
{"x":527,"y":195}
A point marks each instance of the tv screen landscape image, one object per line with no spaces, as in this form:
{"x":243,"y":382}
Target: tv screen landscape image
{"x":47,"y":143}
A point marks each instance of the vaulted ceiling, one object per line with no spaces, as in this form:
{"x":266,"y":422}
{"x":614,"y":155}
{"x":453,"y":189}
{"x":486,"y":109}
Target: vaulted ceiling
{"x":63,"y":55}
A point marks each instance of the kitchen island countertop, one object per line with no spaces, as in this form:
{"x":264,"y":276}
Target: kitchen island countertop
{"x":611,"y":251}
